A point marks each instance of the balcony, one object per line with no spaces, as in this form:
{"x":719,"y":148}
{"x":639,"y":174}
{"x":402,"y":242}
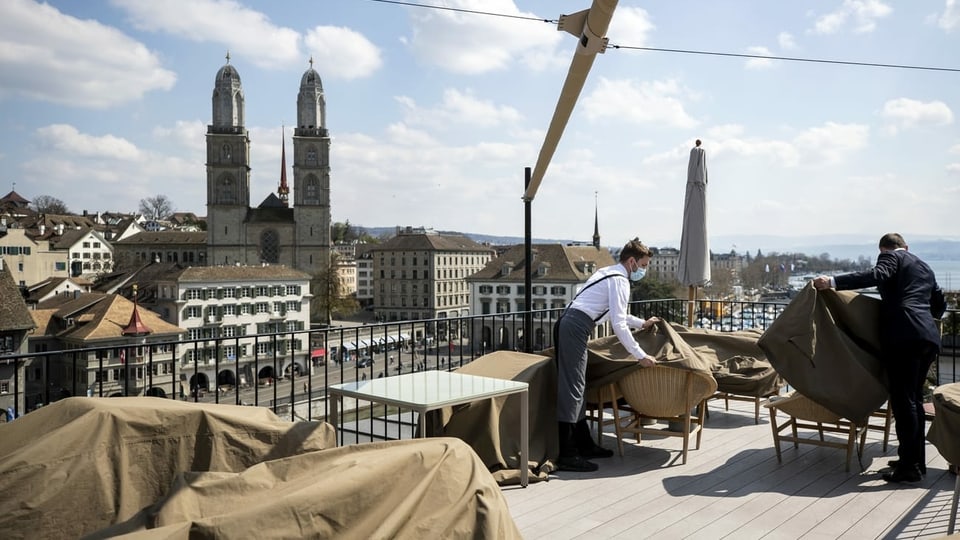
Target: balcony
{"x":732,"y":486}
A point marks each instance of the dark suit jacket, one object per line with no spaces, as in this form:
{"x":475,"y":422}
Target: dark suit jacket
{"x":910,"y":298}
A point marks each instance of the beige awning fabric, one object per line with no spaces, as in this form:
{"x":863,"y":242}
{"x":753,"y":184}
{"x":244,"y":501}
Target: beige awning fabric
{"x":81,"y":464}
{"x":945,"y":428}
{"x":826,"y":345}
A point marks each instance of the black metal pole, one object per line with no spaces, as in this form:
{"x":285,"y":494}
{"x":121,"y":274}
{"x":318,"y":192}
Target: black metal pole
{"x":528,"y":272}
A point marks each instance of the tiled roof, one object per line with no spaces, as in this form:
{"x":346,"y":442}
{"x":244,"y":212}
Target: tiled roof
{"x":430,"y":242}
{"x":14,"y":314}
{"x":103,"y":316}
{"x":165,"y":237}
{"x":566,"y":263}
{"x":241,"y":273}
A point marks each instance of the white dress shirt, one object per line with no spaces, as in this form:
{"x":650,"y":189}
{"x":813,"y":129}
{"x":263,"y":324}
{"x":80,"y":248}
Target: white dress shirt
{"x":608,"y":301}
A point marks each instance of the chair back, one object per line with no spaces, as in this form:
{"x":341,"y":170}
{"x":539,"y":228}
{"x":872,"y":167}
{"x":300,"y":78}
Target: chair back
{"x":662,"y":391}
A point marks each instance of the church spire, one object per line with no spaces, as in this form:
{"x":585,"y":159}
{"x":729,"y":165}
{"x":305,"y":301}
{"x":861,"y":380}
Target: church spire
{"x":135,"y":327}
{"x":283,"y":191}
{"x":596,"y":222}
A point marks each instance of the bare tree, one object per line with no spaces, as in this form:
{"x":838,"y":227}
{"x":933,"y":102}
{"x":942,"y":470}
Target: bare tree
{"x":157,"y":207}
{"x":47,"y":204}
{"x":329,"y":296}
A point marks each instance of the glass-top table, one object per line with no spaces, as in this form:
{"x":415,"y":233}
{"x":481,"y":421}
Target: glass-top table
{"x":424,"y":391}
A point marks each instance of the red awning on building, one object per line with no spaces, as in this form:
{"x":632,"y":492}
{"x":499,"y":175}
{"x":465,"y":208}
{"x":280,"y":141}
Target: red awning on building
{"x":317,"y":353}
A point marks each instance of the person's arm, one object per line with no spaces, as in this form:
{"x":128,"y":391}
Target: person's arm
{"x":619,"y":296}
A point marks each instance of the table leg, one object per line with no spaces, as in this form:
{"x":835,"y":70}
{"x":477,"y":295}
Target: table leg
{"x":524,"y":438}
{"x":422,"y":423}
{"x":335,"y":415}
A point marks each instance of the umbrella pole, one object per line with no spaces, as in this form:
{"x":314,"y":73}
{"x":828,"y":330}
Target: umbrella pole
{"x":691,"y":298}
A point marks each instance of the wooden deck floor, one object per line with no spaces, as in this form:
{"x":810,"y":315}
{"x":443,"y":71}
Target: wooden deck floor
{"x":733,"y":487}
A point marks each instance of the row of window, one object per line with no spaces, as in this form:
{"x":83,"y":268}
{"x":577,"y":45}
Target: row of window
{"x":229,"y":352}
{"x":220,"y":293}
{"x":94,"y":255}
{"x":233,"y":310}
{"x":538,"y":290}
{"x":14,"y":250}
{"x":443,"y":260}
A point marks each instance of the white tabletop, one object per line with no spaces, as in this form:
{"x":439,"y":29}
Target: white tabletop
{"x":427,"y":390}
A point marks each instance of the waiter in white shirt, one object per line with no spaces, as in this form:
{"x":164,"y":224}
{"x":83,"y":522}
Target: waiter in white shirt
{"x":604,"y":296}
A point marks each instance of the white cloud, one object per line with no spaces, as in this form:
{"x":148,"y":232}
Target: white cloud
{"x":786,"y":41}
{"x":759,"y":63}
{"x":630,"y":26}
{"x":953,"y":168}
{"x":833,"y":142}
{"x":862,"y":15}
{"x":907,"y":113}
{"x":48,"y":56}
{"x":66,"y":139}
{"x":950,"y":18}
{"x":955,"y":149}
{"x":639,"y":102}
{"x":219,"y":21}
{"x":459,"y":108}
{"x":341,"y":53}
{"x":468,"y":44}
{"x":188,"y":134}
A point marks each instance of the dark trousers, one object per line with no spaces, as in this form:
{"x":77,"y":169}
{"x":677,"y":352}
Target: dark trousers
{"x":571,"y":334}
{"x":907,"y":367}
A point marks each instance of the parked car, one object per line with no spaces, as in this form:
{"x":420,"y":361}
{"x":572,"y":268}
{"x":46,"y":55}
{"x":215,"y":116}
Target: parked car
{"x":365,"y":362}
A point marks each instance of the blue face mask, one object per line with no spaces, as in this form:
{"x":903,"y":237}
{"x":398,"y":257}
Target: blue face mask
{"x":638,"y":274}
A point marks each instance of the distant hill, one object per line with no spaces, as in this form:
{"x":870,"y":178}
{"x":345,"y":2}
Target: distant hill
{"x":839,"y":247}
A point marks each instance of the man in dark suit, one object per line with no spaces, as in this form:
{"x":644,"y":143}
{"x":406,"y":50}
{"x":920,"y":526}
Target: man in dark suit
{"x":910,"y":303}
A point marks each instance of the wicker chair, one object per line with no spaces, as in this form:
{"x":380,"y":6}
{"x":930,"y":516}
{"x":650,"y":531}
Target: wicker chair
{"x":664,"y":393}
{"x":805,"y":413}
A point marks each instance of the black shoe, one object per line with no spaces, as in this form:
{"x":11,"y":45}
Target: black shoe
{"x":596,"y":452}
{"x":901,"y":474}
{"x":892,"y":464}
{"x":575,"y":464}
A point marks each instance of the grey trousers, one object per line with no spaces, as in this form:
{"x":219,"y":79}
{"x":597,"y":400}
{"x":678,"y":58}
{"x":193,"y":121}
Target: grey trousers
{"x":573,"y":331}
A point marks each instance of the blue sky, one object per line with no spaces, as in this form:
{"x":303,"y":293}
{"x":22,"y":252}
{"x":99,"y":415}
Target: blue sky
{"x":434,"y":114}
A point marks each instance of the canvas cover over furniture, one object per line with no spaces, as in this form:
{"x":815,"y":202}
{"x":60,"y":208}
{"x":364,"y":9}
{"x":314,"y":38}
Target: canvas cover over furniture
{"x":825,"y":344}
{"x":160,"y":468}
{"x":944,"y":434}
{"x":805,"y":413}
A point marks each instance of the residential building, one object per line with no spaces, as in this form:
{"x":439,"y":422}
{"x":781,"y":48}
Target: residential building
{"x":557,"y":272}
{"x":132,"y":349}
{"x":238,"y":302}
{"x":187,"y":248}
{"x":56,"y":286}
{"x":88,"y":252}
{"x":15,"y":324}
{"x":365,"y":279}
{"x":30,"y":259}
{"x":421,"y":274}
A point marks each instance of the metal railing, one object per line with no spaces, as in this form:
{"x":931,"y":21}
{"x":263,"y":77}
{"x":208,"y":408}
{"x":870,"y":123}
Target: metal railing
{"x":293,"y":381}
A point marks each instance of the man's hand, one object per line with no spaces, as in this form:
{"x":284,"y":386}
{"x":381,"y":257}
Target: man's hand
{"x":648,"y":361}
{"x":821,"y":282}
{"x":650,"y":322}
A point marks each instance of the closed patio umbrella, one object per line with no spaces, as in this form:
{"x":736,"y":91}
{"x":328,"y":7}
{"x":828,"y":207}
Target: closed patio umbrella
{"x":694,"y":265}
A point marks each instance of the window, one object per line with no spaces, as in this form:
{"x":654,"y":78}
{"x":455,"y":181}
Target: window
{"x":263,"y":307}
{"x":193,"y":294}
{"x":293,"y":290}
{"x":558,"y":290}
{"x":270,"y":246}
{"x":230,"y":292}
{"x":192,"y":312}
{"x":503,"y":289}
{"x":293,"y":305}
{"x":229,"y":310}
{"x":263,"y":291}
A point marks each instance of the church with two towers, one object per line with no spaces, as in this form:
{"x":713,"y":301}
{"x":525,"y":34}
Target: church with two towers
{"x":296,"y":232}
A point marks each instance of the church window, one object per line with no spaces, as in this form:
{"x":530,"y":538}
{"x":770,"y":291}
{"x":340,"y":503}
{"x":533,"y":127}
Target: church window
{"x":312,"y":191}
{"x":226,"y":192}
{"x":225,"y":153}
{"x":312,"y":156}
{"x":269,"y":246}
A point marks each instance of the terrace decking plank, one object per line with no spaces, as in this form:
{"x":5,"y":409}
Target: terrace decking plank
{"x":734,"y":487}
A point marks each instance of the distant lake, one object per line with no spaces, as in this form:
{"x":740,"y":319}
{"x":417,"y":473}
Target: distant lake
{"x":947,"y":272}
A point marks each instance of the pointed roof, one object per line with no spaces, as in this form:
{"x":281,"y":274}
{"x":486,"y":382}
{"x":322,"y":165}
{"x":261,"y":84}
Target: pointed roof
{"x":15,"y":199}
{"x":283,"y":191}
{"x":136,"y":327}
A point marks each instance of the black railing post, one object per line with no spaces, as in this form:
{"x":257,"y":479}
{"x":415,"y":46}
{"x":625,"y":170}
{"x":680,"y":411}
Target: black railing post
{"x":528,"y":267}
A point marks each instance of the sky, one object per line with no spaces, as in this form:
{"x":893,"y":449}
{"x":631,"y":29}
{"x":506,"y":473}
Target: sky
{"x":434,"y":114}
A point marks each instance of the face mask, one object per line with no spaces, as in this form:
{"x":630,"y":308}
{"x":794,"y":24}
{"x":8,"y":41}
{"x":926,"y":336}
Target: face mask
{"x":638,"y":274}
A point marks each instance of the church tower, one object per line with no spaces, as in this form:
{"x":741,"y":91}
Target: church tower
{"x":311,"y":176}
{"x":228,"y":170}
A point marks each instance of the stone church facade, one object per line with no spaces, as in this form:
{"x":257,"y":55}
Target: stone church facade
{"x":275,"y":232}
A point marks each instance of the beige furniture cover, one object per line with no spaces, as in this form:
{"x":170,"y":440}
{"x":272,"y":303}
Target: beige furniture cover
{"x":80,"y":465}
{"x":826,"y":345}
{"x":945,"y":428}
{"x":491,"y":427}
{"x":413,"y":489}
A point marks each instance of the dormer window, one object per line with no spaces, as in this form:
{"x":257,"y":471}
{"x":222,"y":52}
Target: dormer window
{"x":542,"y":269}
{"x":506,"y":268}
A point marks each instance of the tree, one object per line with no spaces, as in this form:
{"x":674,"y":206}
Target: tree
{"x":158,"y":207}
{"x":329,"y":296}
{"x":46,"y":204}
